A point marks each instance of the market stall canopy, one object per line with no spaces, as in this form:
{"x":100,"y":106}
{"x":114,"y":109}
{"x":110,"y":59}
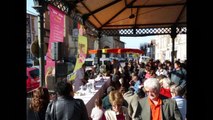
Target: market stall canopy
{"x":122,"y":14}
{"x":117,"y":51}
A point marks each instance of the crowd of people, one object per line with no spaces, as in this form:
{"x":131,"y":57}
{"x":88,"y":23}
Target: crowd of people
{"x":137,"y":91}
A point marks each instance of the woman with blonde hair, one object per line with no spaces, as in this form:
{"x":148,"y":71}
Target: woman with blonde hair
{"x":50,"y":72}
{"x":165,"y":87}
{"x":117,"y":112}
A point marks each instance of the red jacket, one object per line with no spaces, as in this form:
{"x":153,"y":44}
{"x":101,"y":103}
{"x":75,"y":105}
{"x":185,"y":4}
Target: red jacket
{"x":165,"y":92}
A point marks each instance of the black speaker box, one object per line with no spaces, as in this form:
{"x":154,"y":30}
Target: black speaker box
{"x":56,"y":50}
{"x":99,"y":54}
{"x":61,"y":69}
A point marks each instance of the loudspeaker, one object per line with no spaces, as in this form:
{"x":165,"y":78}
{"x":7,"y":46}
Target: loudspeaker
{"x":61,"y":69}
{"x":99,"y":54}
{"x":56,"y":50}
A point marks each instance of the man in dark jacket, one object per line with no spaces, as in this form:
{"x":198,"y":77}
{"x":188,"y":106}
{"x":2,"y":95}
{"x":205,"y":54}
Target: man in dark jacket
{"x":66,"y":107}
{"x":178,"y":75}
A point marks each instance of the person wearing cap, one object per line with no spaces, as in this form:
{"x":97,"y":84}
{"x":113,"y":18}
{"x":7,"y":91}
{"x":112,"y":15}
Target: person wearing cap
{"x":105,"y":100}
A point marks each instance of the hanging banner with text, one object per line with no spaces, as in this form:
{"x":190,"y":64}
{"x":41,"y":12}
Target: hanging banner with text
{"x":82,"y":53}
{"x":57,"y":18}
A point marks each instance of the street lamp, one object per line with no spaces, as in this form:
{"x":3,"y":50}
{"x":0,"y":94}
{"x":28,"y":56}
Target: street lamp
{"x":39,"y":7}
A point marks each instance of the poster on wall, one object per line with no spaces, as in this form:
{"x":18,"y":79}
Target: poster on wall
{"x":56,"y":35}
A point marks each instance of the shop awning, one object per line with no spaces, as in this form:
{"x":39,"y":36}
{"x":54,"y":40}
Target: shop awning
{"x":117,"y":51}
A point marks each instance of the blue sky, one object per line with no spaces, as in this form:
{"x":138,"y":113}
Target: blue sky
{"x":29,"y":9}
{"x":131,"y":42}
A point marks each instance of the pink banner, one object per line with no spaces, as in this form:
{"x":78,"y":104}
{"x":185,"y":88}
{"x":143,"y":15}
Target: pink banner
{"x":56,"y":32}
{"x":56,"y":28}
{"x":56,"y":25}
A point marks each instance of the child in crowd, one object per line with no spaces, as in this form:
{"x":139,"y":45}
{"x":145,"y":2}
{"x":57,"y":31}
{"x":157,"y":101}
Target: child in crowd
{"x":97,"y":111}
{"x":177,"y":95}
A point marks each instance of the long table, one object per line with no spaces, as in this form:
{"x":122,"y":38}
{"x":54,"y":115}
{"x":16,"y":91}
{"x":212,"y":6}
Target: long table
{"x":89,"y":99}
